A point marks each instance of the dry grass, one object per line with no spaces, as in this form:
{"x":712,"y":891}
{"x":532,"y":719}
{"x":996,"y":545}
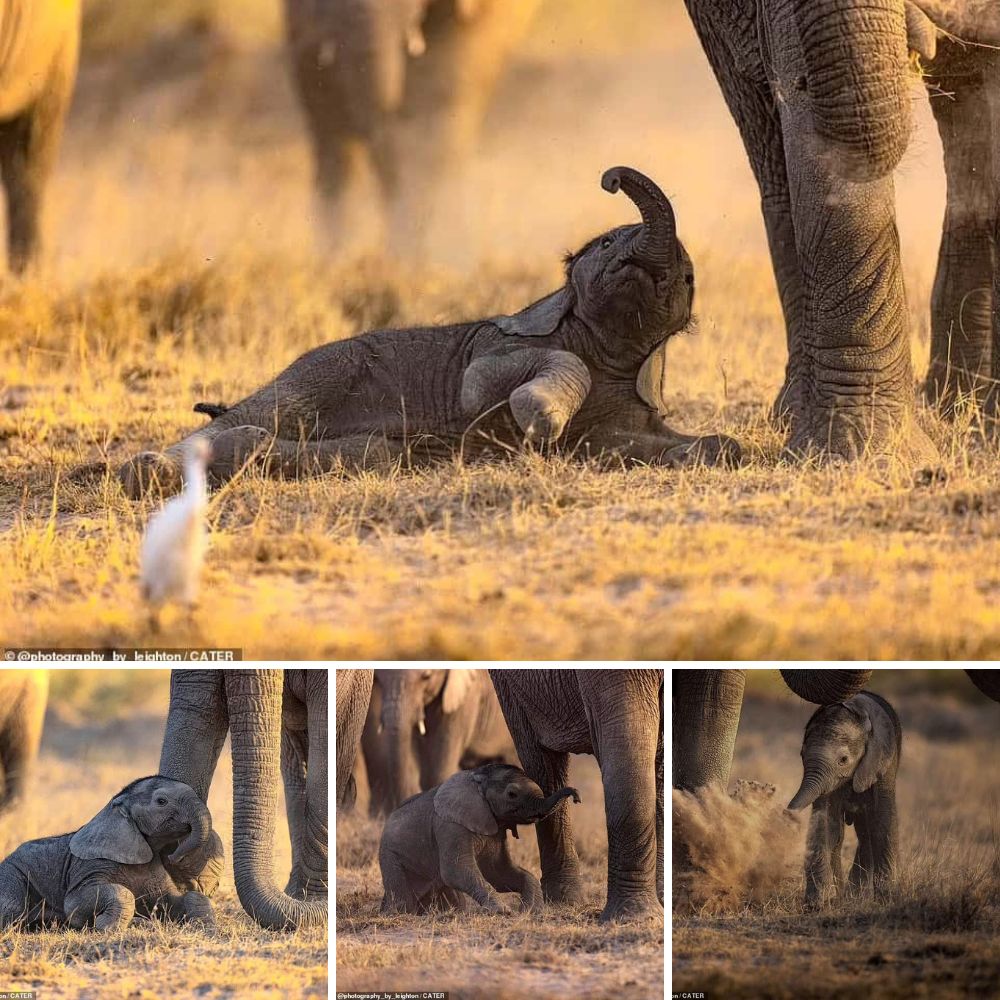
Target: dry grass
{"x":936,"y":936}
{"x":183,"y":270}
{"x":563,"y":953}
{"x":103,"y":729}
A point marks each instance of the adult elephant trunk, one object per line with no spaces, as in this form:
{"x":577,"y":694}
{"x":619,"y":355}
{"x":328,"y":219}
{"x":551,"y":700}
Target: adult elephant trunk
{"x":856,"y":78}
{"x":826,"y":687}
{"x":988,"y":681}
{"x":402,"y":713}
{"x":204,"y":704}
{"x":657,"y":245}
{"x":196,"y":813}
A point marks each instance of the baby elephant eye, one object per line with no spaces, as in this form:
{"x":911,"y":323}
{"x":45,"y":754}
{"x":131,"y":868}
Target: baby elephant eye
{"x":511,"y":794}
{"x":606,"y":242}
{"x":162,"y":801}
{"x":843,"y":760}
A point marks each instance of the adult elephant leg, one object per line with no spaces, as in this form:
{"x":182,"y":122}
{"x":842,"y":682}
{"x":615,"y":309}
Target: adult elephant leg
{"x":858,"y":394}
{"x":448,"y":92}
{"x":706,"y":717}
{"x":962,"y":301}
{"x":623,"y":716}
{"x":354,"y":689}
{"x":659,"y":804}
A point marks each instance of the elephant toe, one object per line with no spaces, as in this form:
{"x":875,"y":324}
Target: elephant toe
{"x":645,"y":907}
{"x":147,"y":471}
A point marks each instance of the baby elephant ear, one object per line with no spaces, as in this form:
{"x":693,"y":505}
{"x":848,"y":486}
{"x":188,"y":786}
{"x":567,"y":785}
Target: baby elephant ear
{"x":651,"y":383}
{"x":541,"y":318}
{"x":459,"y":800}
{"x":113,"y":836}
{"x":880,"y":742}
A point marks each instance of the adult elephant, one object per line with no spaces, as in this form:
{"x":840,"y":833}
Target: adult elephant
{"x":404,"y":84}
{"x":354,"y":690}
{"x":277,"y":722}
{"x":819,"y":90}
{"x":708,"y":703}
{"x":424,"y":725}
{"x":616,"y":715}
{"x":23,"y":694}
{"x":39,"y":43}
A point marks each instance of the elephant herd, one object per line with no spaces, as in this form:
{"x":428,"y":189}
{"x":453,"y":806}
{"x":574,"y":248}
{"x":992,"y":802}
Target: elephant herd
{"x":277,"y":725}
{"x":416,"y":728}
{"x":819,"y":90}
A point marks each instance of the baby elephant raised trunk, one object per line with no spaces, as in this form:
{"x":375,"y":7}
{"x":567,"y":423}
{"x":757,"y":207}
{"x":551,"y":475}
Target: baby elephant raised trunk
{"x":546,"y":806}
{"x":197,"y":814}
{"x":657,"y":247}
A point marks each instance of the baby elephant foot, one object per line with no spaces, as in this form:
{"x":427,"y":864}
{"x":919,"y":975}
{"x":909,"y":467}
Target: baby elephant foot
{"x":715,"y":450}
{"x":149,"y":471}
{"x":236,"y":447}
{"x":198,"y":909}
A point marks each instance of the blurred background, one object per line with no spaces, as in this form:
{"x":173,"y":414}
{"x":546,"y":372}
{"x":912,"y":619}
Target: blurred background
{"x":185,"y":134}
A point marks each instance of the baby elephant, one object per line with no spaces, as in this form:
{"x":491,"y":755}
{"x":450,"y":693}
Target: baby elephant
{"x":151,"y":849}
{"x":452,"y":839}
{"x":850,"y":755}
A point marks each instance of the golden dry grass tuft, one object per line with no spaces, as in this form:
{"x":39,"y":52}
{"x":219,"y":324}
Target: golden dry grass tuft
{"x":937,"y":932}
{"x":103,"y":729}
{"x":561,"y":953}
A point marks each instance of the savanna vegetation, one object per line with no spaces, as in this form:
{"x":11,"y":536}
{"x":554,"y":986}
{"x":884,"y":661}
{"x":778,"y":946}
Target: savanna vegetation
{"x":561,"y":953}
{"x":103,"y":729}
{"x":740,"y":928}
{"x":183,"y":268}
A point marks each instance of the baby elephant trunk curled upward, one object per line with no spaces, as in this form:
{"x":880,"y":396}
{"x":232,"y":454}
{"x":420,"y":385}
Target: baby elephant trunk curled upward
{"x":196,"y":813}
{"x":545,"y":806}
{"x":657,"y":245}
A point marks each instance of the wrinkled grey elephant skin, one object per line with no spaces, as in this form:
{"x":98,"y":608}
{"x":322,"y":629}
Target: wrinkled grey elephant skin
{"x":819,"y":90}
{"x":405,"y":85}
{"x":23,"y":694}
{"x":277,"y":724}
{"x":581,"y":369}
{"x":151,"y":851}
{"x":450,"y":842}
{"x":850,"y":756}
{"x":39,"y":44}
{"x":354,"y":689}
{"x":616,"y":715}
{"x":424,"y":725}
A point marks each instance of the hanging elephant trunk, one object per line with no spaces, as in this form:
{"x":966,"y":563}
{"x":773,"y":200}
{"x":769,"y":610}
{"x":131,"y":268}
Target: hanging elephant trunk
{"x":855,"y":59}
{"x":816,"y":781}
{"x":825,"y":687}
{"x":656,"y":248}
{"x":402,"y":723}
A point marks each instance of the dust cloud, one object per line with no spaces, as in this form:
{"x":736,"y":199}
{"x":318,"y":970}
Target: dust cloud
{"x":743,"y":847}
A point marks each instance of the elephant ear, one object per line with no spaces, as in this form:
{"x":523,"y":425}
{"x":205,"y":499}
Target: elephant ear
{"x":651,"y":383}
{"x":112,"y":836}
{"x":541,"y":318}
{"x":459,"y":800}
{"x":458,"y":686}
{"x":880,"y":741}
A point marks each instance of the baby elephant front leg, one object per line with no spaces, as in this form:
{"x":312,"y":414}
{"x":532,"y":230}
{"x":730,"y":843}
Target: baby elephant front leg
{"x":110,"y":907}
{"x":825,"y":840}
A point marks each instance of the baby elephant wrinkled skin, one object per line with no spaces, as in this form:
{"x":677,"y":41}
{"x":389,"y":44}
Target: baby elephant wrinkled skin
{"x":582,"y":369}
{"x":150,"y":851}
{"x":451,"y":841}
{"x":850,"y":755}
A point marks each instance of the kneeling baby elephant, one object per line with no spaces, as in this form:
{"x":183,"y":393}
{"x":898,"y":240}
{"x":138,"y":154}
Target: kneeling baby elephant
{"x":850,"y":755}
{"x":151,"y":850}
{"x":452,"y":839}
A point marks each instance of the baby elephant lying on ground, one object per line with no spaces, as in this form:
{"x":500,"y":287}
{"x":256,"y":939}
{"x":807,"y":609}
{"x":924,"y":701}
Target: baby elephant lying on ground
{"x":582,"y":367}
{"x":150,"y":850}
{"x":850,"y":756}
{"x":452,"y":839}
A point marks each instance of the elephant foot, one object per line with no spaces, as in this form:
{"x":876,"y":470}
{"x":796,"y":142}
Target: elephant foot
{"x":715,"y":450}
{"x":644,"y":906}
{"x":861,"y":434}
{"x":235,"y":448}
{"x":565,"y":892}
{"x":150,"y":471}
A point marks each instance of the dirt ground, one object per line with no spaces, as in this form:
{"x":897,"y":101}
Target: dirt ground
{"x":103,"y":729}
{"x":935,"y":937}
{"x":558,"y":955}
{"x":183,"y":268}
